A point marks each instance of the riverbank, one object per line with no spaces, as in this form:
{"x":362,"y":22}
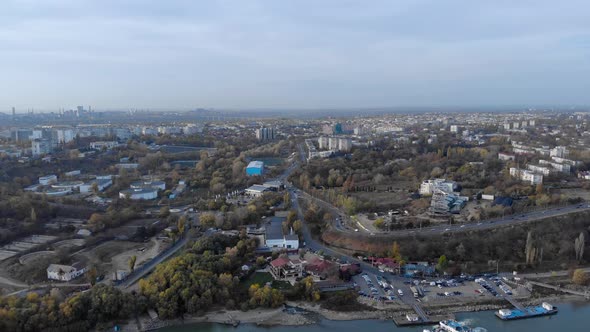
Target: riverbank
{"x":305,"y":313}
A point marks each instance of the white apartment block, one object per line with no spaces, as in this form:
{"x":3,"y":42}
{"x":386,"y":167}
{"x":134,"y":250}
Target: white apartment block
{"x":526,"y":175}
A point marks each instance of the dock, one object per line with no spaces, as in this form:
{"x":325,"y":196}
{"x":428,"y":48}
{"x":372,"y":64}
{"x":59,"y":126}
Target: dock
{"x":419,"y":318}
{"x":529,"y":312}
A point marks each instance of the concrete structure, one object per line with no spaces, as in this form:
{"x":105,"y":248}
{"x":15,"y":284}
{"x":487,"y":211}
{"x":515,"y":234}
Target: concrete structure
{"x":265,"y":134}
{"x":179,"y":189}
{"x":127,"y":165}
{"x":40,"y":147}
{"x":556,"y":166}
{"x":286,"y":268}
{"x":538,"y":169}
{"x":344,"y":144}
{"x":48,"y":180}
{"x":323,"y":143}
{"x":559,"y":151}
{"x":73,"y":173}
{"x":63,"y":272}
{"x":255,"y":168}
{"x":333,"y":143}
{"x":454,"y":129}
{"x":274,"y":238}
{"x":139,"y":194}
{"x":101,"y":184}
{"x":69,"y":185}
{"x":505,"y":156}
{"x":256,"y":190}
{"x":159,"y":185}
{"x":526,"y":175}
{"x":103,"y":145}
{"x":65,"y":136}
{"x":444,"y":202}
{"x":428,"y":186}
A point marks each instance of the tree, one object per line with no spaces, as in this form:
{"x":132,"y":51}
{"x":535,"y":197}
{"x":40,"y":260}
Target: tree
{"x":442,"y":263}
{"x":96,"y":221}
{"x":533,"y":253}
{"x":164,"y":212}
{"x":95,"y":187}
{"x":287,"y":199}
{"x":91,"y":276}
{"x":298,"y":226}
{"x":207,"y":220}
{"x":33,"y":215}
{"x":379,"y":223}
{"x":132,"y":261}
{"x":181,"y":224}
{"x":579,"y":244}
{"x":396,"y":252}
{"x":580,"y":277}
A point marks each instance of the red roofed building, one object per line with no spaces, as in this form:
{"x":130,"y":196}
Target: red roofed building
{"x":385,"y":264}
{"x":321,"y":268}
{"x":283,"y":268}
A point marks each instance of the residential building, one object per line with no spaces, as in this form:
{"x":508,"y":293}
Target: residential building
{"x":559,"y":151}
{"x":526,"y":175}
{"x":333,"y":143}
{"x":344,"y":144}
{"x":556,"y":166}
{"x":64,"y":136}
{"x":286,"y":268}
{"x":506,"y":156}
{"x":64,"y":272}
{"x":323,"y":142}
{"x":538,"y":169}
{"x":40,"y":147}
{"x":103,"y":145}
{"x":265,"y":134}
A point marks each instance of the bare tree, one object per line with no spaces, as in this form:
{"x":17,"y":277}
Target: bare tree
{"x":579,"y":244}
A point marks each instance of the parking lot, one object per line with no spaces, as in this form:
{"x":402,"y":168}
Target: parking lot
{"x":384,"y":288}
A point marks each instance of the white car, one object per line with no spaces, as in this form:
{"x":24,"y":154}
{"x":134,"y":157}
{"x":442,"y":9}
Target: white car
{"x":400,"y":292}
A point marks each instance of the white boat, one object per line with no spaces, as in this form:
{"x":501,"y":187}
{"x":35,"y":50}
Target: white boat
{"x":451,"y":326}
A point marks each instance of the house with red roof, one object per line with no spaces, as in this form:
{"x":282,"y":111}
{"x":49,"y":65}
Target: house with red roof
{"x":386,"y":264}
{"x":321,"y":269}
{"x":286,"y":268}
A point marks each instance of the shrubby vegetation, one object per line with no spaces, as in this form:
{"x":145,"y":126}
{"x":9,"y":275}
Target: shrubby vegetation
{"x":208,"y":274}
{"x":80,"y":312}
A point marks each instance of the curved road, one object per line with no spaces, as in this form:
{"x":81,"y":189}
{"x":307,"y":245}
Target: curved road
{"x":445,"y":228}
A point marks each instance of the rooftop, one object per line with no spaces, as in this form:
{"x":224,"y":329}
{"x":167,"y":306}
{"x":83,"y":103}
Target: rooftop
{"x":256,"y":164}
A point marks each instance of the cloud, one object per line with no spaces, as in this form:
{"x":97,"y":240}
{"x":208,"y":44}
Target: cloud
{"x":292,"y":53}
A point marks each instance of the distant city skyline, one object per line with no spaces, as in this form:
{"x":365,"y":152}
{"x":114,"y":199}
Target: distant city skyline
{"x":292,"y":54}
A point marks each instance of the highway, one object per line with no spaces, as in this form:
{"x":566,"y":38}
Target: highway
{"x":445,"y":228}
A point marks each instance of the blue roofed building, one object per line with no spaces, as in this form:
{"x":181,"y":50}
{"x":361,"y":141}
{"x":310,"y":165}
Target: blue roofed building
{"x":255,"y":168}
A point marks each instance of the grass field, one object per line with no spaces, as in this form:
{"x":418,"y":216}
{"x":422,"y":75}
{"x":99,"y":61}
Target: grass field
{"x":262,"y":278}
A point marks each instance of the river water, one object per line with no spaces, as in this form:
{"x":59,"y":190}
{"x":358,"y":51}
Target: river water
{"x":572,"y":317}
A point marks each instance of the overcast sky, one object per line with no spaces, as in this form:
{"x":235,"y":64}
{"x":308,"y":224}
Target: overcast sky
{"x":292,"y":54}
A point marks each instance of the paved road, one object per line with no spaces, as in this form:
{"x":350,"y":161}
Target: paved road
{"x":149,"y":266}
{"x":443,"y":229}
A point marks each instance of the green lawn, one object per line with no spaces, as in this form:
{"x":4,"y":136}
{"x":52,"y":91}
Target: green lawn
{"x":262,"y":278}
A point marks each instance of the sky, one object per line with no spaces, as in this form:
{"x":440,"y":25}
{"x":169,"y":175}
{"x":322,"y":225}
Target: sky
{"x":175,"y":54}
